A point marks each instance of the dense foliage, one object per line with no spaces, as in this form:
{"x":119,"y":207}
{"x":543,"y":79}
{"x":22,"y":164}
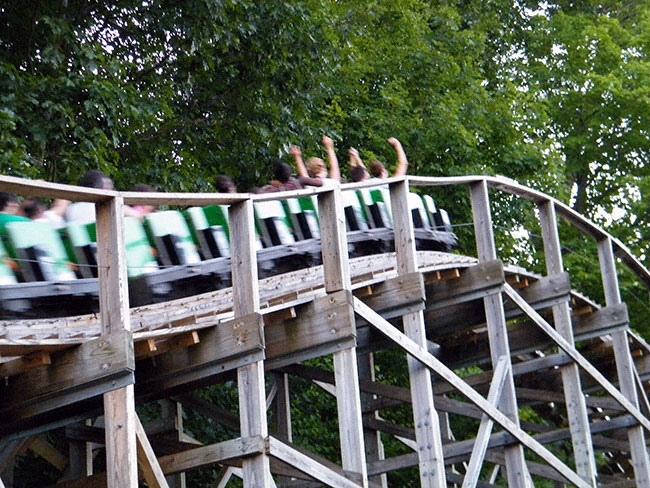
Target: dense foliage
{"x":554,"y":94}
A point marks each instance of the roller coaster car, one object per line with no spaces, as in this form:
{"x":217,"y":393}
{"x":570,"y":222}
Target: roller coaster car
{"x":42,"y":280}
{"x":174,"y":255}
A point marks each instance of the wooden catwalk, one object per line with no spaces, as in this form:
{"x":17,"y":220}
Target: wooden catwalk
{"x":533,"y":345}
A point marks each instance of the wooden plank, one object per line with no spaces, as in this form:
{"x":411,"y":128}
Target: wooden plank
{"x":475,"y":282}
{"x":396,"y":296}
{"x":147,"y":460}
{"x":242,"y":447}
{"x":74,"y":375}
{"x":218,"y":350}
{"x":624,"y":365}
{"x":448,"y":375}
{"x":250,"y":378}
{"x":24,"y":363}
{"x":25,"y":187}
{"x":496,"y":324}
{"x":425,"y":417}
{"x":119,"y":405}
{"x":326,"y":321}
{"x":308,"y":466}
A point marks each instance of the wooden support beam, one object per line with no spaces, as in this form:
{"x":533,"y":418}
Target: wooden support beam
{"x":496,"y":324}
{"x":336,"y":277}
{"x":243,"y":447}
{"x":438,"y":367}
{"x":624,"y":363}
{"x":583,"y":450}
{"x":425,"y":416}
{"x":147,"y":460}
{"x":119,"y":405}
{"x":77,"y":374}
{"x":250,"y":378}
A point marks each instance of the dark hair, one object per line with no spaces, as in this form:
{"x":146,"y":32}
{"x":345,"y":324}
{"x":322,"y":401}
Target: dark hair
{"x":357,"y":173}
{"x":142,"y":187}
{"x":282,"y":171}
{"x":32,"y":207}
{"x":223,"y":184}
{"x":376,"y":169}
{"x":5,"y":198}
{"x":93,"y":178}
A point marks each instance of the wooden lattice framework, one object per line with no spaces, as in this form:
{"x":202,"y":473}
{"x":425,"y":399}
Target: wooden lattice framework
{"x":55,"y":370}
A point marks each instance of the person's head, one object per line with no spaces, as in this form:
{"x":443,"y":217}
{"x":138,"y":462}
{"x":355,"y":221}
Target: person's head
{"x":8,"y":203}
{"x":377,"y":170}
{"x":96,"y":179}
{"x":143,"y":188}
{"x":316,"y":168}
{"x":223,"y":184}
{"x":32,"y":208}
{"x":282,"y":171}
{"x":358,"y":173}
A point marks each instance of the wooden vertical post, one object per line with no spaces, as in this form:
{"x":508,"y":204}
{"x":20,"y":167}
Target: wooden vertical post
{"x":425,"y":416}
{"x":624,"y":363}
{"x":336,"y":273}
{"x":250,"y":378}
{"x":371,"y":437}
{"x":282,"y":408}
{"x":583,"y":451}
{"x":517,"y":471}
{"x":119,"y":405}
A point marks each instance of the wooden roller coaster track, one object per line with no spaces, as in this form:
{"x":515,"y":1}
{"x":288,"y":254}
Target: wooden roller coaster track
{"x":538,"y":344}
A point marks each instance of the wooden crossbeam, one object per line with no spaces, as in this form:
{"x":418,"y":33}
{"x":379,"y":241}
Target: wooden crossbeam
{"x":431,"y":362}
{"x":86,"y":371}
{"x":212,"y":454}
{"x":25,"y":363}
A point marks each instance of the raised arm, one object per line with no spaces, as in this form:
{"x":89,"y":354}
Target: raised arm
{"x":402,"y":162}
{"x":355,"y":159}
{"x":300,"y":165}
{"x":335,"y":172}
